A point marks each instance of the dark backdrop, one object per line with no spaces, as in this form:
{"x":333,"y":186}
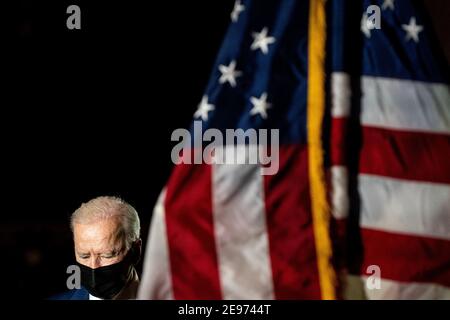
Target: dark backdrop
{"x":90,"y":112}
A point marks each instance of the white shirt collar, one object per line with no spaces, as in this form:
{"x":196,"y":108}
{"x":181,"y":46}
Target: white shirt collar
{"x":91,"y":297}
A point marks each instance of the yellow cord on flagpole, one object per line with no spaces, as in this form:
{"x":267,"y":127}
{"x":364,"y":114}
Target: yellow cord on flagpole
{"x":315,"y":114}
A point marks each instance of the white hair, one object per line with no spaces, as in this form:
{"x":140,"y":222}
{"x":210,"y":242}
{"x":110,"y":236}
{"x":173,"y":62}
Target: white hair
{"x":106,"y":208}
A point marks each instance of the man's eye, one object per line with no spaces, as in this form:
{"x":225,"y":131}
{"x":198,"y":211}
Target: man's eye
{"x":83,"y":256}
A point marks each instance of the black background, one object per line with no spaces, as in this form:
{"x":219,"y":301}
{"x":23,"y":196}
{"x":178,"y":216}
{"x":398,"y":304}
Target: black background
{"x":90,"y":112}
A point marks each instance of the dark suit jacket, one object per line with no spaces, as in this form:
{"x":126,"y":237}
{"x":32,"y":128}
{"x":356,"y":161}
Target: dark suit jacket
{"x":75,"y":294}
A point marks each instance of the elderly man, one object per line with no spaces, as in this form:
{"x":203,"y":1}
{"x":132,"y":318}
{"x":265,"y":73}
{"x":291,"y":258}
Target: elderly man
{"x":107,"y":247}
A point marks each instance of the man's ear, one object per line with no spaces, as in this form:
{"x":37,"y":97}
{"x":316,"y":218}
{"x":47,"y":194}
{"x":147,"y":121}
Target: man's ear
{"x":137,"y":250}
{"x":139,"y":246}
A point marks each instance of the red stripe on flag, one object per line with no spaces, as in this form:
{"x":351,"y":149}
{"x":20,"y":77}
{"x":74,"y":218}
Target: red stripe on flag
{"x":190,"y":230}
{"x":338,"y":143}
{"x":406,"y":155}
{"x":290,"y":228}
{"x":407,"y":258}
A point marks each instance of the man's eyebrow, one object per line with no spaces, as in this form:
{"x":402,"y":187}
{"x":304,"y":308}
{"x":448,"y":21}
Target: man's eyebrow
{"x":114,"y":251}
{"x":109,"y":254}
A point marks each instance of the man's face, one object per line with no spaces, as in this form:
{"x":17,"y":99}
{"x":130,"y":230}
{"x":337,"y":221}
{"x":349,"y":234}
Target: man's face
{"x":98,"y":244}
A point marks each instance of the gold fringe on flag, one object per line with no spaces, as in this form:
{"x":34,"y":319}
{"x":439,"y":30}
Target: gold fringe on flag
{"x":315,"y":114}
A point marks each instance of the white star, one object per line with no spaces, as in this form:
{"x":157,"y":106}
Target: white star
{"x":238,"y":8}
{"x":262,"y":41}
{"x":203,"y":108}
{"x":412,"y":30}
{"x":229,"y":74}
{"x":260,"y":105}
{"x":366,"y":26}
{"x":388,"y":4}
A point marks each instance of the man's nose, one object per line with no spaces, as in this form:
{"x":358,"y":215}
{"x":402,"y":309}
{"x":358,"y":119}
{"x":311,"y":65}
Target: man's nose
{"x":94,"y":262}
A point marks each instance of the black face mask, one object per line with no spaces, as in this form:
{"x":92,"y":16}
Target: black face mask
{"x":106,"y":282}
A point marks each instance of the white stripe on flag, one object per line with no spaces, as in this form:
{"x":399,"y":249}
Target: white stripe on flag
{"x":341,"y":94}
{"x":356,"y":289}
{"x":156,"y":280}
{"x":339,"y":196}
{"x":405,"y":105}
{"x":403,"y":206}
{"x":241,"y":234}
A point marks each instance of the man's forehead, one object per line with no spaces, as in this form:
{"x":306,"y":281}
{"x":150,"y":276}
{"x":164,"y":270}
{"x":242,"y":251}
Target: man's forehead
{"x":102,"y":234}
{"x":102,"y":245}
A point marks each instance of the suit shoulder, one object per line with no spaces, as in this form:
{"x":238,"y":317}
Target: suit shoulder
{"x":74,"y":294}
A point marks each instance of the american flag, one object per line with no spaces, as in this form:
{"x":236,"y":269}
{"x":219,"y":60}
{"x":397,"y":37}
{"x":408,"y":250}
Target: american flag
{"x":224,"y":231}
{"x":401,"y":170}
